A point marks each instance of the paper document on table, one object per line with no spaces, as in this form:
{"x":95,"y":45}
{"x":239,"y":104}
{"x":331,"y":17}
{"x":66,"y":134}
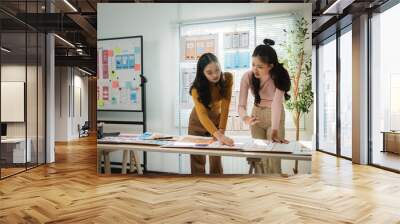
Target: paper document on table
{"x":200,"y":142}
{"x":133,"y":140}
{"x":218,"y":145}
{"x":258,"y":145}
{"x":241,"y":144}
{"x":196,"y":140}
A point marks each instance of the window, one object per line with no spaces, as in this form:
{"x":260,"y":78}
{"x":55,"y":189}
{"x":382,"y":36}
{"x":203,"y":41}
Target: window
{"x":346,"y":93}
{"x":22,"y":65}
{"x":327,"y":96}
{"x":385,"y":89}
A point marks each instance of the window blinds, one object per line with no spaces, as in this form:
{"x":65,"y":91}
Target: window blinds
{"x":272,"y":27}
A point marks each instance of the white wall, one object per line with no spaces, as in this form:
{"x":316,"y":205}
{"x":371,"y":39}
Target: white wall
{"x":159,"y":25}
{"x":160,"y":40}
{"x":68,"y":82}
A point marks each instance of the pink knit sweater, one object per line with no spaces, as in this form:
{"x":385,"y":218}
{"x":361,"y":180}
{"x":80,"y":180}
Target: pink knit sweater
{"x":270,"y":97}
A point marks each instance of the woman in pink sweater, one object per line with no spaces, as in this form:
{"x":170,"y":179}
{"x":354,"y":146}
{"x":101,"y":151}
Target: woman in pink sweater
{"x":269,"y":83}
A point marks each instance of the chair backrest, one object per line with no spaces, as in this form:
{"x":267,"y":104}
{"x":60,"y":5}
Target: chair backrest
{"x":100,"y":131}
{"x":86,"y":125}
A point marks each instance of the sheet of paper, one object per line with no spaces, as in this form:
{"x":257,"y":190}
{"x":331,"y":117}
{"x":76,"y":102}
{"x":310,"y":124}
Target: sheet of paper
{"x":190,"y":51}
{"x":130,"y":140}
{"x":258,"y":145}
{"x":244,"y":40}
{"x":228,"y":40}
{"x":235,"y":40}
{"x":196,"y":139}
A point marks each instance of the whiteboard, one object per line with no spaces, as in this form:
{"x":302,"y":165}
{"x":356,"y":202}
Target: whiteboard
{"x":118,"y":77}
{"x":12,"y":101}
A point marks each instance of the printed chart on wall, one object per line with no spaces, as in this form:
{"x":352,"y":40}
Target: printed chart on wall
{"x":119,"y":70}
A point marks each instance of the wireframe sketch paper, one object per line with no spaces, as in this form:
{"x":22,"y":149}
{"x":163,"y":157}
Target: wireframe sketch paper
{"x":241,"y":144}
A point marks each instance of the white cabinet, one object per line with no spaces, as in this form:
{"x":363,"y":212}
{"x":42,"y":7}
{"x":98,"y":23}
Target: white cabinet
{"x":16,"y":147}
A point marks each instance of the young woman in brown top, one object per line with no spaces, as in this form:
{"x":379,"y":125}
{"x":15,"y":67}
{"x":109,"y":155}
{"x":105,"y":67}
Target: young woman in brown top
{"x":211,"y":93}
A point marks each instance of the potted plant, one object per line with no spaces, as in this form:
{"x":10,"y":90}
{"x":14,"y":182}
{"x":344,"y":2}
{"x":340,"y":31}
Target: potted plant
{"x":298,"y":64}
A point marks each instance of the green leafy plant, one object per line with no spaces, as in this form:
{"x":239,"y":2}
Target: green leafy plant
{"x":298,"y":64}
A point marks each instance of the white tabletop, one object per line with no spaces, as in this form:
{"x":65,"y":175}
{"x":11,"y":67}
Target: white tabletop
{"x":303,"y":155}
{"x":13,"y":140}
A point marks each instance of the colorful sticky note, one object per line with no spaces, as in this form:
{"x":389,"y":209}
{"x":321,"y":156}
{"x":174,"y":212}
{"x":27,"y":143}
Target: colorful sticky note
{"x":137,"y":67}
{"x":134,"y":96}
{"x":114,"y":75}
{"x":131,"y":60}
{"x":128,"y":85}
{"x":105,"y":93}
{"x":110,"y":53}
{"x":115,"y":84}
{"x":113,"y":100}
{"x":100,"y":103}
{"x":137,"y":50}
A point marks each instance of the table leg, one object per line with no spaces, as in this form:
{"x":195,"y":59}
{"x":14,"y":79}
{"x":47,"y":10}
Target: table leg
{"x":107,"y":165}
{"x":124,"y":161}
{"x":251,"y":168}
{"x":384,"y":142}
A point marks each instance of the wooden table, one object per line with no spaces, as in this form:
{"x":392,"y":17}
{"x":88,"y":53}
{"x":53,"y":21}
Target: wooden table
{"x":391,"y":141}
{"x":134,"y":149}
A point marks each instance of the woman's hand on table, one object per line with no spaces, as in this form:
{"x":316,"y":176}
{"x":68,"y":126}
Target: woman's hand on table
{"x":224,"y":140}
{"x":276,"y":138}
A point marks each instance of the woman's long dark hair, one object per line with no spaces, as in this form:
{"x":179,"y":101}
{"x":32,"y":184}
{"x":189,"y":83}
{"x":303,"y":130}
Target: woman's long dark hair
{"x":278,"y":73}
{"x":201,"y":83}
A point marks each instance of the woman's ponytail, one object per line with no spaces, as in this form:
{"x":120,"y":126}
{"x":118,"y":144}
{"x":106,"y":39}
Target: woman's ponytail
{"x":281,"y":78}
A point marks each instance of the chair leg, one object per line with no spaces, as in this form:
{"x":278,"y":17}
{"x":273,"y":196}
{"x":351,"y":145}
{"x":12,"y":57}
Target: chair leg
{"x":99,"y":155}
{"x":131,"y":161}
{"x":124,"y":161}
{"x":137,"y":162}
{"x":251,"y":168}
{"x":296,"y":167}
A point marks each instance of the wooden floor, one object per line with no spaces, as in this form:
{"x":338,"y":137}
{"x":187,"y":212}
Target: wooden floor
{"x":387,"y":159}
{"x":69,"y":191}
{"x":5,"y":172}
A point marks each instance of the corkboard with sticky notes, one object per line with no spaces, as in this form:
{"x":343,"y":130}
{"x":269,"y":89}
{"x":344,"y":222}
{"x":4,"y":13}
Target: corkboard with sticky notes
{"x":120,"y":67}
